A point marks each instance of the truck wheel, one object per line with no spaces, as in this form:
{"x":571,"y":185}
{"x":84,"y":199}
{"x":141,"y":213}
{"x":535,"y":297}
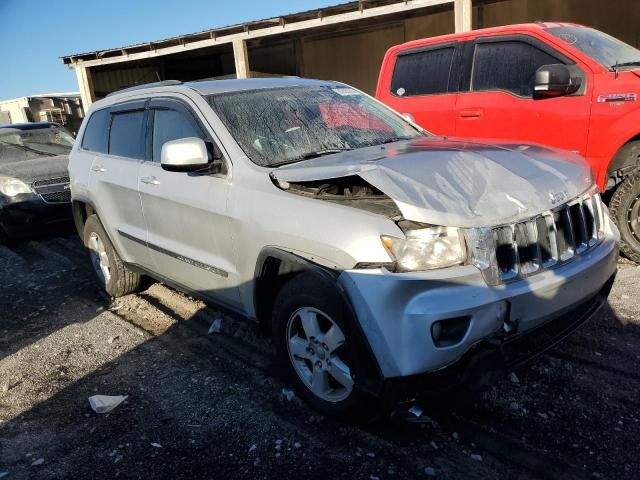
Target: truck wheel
{"x":625,"y":211}
{"x":110,"y":271}
{"x":309,"y":329}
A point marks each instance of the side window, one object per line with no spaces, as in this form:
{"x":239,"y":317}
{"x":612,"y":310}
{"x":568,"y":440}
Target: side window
{"x":95,"y":133}
{"x":171,"y":125}
{"x":423,"y":73}
{"x":509,"y":65}
{"x":127,"y":134}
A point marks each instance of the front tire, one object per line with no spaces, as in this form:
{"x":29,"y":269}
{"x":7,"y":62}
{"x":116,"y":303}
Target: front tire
{"x":625,"y":211}
{"x":310,"y":329}
{"x":111,"y":272}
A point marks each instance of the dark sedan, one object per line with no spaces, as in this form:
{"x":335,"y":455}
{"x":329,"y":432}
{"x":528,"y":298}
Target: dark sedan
{"x":34,"y":181}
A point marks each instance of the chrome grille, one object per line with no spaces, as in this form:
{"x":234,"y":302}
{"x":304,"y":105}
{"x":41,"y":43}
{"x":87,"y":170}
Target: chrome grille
{"x":525,"y":248}
{"x":53,"y":190}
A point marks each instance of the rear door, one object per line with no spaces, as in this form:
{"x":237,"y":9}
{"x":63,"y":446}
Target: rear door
{"x":189,"y":232}
{"x":424,"y":84}
{"x":496,"y":99}
{"x":113,"y":181}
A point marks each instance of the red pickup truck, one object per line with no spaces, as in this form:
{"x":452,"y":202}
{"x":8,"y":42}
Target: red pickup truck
{"x":558,"y":84}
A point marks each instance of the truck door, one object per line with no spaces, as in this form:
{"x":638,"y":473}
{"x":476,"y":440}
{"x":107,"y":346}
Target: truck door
{"x":496,"y":99}
{"x":423,"y":83}
{"x":188,"y":230}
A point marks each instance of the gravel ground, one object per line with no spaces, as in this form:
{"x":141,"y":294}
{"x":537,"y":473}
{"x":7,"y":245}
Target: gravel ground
{"x":212,"y":406}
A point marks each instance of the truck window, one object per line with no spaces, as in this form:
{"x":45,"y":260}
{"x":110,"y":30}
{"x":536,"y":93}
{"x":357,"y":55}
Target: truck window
{"x":95,"y":133}
{"x":171,"y":125}
{"x":422,"y":73}
{"x":126,"y":138}
{"x":509,"y":65}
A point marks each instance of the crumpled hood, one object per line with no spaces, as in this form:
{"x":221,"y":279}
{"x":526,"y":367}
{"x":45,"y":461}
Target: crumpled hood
{"x":36,"y":168}
{"x":455,"y":182}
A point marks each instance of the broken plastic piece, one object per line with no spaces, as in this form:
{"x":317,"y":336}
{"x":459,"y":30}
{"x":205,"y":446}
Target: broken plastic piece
{"x":216,"y":326}
{"x":156,"y":445}
{"x":105,"y":403}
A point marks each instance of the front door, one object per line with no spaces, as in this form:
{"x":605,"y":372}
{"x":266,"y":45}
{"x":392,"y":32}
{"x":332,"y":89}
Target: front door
{"x":188,"y":230}
{"x":499,"y":103}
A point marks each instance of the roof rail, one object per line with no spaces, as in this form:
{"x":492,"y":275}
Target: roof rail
{"x":164,"y":83}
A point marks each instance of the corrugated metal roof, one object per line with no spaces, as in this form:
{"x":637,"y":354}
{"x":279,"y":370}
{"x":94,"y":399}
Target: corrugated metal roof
{"x":234,"y":29}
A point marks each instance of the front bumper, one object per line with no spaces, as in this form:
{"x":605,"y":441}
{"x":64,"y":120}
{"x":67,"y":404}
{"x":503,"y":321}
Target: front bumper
{"x":21,"y":216}
{"x":396,"y":311}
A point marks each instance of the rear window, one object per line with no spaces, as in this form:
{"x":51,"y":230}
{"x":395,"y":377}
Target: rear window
{"x":423,"y":73}
{"x":127,"y":135}
{"x":95,"y":133}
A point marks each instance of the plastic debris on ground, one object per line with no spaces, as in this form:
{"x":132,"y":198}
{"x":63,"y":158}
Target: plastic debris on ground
{"x":105,"y":403}
{"x":289,"y":395}
{"x":156,"y":445}
{"x":216,"y":326}
{"x":37,"y":462}
{"x":3,"y":474}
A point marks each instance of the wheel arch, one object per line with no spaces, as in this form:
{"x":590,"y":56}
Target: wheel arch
{"x":274,"y":268}
{"x":82,"y":209}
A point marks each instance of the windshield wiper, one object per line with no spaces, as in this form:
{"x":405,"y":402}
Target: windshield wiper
{"x":310,"y":155}
{"x":28,"y":149}
{"x":635,"y":63}
{"x":395,"y":139}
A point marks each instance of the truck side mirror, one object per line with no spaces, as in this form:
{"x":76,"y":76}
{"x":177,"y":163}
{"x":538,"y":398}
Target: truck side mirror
{"x":184,"y":155}
{"x":554,"y":81}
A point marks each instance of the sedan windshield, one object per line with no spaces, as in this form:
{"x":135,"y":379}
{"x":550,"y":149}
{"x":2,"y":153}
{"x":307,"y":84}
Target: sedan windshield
{"x":17,"y":144}
{"x":604,"y":49}
{"x":277,"y":126}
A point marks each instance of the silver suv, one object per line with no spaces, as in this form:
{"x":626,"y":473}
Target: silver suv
{"x":372,"y":251}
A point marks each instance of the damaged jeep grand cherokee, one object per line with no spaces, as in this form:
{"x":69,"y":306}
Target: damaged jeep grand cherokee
{"x":372,"y":251}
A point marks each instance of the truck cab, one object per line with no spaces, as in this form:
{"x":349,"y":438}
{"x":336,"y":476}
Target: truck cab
{"x":557,"y":84}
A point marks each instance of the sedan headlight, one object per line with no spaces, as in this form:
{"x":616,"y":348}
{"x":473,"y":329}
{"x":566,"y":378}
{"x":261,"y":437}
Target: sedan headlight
{"x":427,"y":249}
{"x":11,"y":187}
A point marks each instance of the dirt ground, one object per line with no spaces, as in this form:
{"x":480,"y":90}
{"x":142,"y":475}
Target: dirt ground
{"x":211,"y":406}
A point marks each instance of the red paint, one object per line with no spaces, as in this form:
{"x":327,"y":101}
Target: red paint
{"x":584,"y":123}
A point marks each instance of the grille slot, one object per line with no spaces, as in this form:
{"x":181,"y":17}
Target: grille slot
{"x":57,"y":197}
{"x":53,"y":190}
{"x":551,"y":239}
{"x":50,"y":181}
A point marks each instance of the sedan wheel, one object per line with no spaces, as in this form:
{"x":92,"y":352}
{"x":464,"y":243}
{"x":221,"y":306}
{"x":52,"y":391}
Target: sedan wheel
{"x":316,"y":350}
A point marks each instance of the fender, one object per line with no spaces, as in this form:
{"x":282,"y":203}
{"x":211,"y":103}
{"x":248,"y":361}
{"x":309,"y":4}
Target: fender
{"x":372,"y":379}
{"x":618,"y":134}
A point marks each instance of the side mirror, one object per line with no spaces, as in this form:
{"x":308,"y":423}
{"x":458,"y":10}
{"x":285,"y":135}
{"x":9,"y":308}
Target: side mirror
{"x":554,"y":81}
{"x":184,"y":155}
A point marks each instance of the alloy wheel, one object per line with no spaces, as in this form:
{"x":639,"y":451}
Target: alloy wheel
{"x":99,"y":258}
{"x":316,"y":347}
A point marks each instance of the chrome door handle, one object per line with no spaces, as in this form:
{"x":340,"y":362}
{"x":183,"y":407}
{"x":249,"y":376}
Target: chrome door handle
{"x":98,"y":168}
{"x":150,"y":180}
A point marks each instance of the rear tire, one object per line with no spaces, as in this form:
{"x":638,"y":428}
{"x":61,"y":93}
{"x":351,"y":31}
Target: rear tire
{"x":111,"y":272}
{"x":625,"y":211}
{"x":310,"y":330}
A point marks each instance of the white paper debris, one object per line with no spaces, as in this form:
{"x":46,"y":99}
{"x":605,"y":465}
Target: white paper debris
{"x":37,"y":462}
{"x":252,"y":448}
{"x":3,"y":474}
{"x":415,"y":411}
{"x":105,"y":403}
{"x":216,"y":326}
{"x":156,"y":445}
{"x":477,"y":457}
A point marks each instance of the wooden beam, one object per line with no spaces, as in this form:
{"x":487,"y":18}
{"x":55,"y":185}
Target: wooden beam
{"x":462,"y":12}
{"x":85,"y":83}
{"x":322,"y":21}
{"x":241,"y":57}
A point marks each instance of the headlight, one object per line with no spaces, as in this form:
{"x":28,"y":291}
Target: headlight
{"x":427,"y":249}
{"x":12,"y":186}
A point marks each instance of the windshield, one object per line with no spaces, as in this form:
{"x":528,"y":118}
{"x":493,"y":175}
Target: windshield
{"x":603,"y":48}
{"x":17,"y":144}
{"x":277,"y":126}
